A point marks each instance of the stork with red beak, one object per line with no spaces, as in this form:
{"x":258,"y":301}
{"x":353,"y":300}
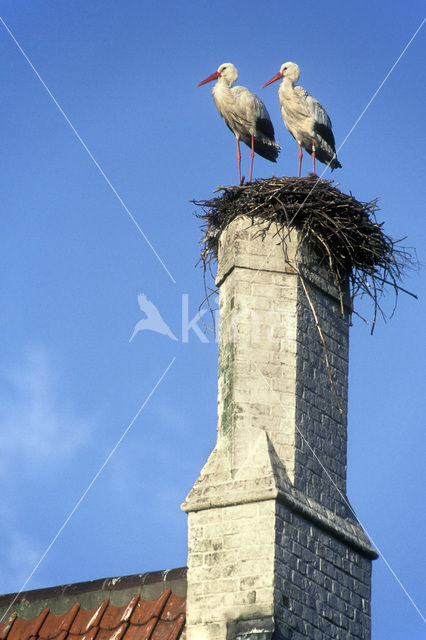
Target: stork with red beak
{"x":245,"y":114}
{"x":305,"y":118}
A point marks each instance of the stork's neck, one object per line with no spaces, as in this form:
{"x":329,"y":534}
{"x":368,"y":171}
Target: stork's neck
{"x":286,"y":86}
{"x":224,"y":82}
{"x":222,"y":88}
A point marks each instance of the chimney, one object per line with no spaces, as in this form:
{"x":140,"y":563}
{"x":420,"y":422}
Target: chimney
{"x":274,"y":549}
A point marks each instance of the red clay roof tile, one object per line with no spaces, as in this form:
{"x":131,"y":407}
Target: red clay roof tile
{"x":61,"y":636}
{"x":25,"y":629}
{"x":90,"y":635}
{"x":54,"y":625}
{"x":112,"y":634}
{"x":172,"y":619}
{"x":6,"y":626}
{"x":114,"y":616}
{"x":142,"y":632}
{"x":87,"y":619}
{"x":146,"y":610}
{"x":175,"y":607}
{"x":168,"y":630}
{"x":145,"y":617}
{"x":159,"y":619}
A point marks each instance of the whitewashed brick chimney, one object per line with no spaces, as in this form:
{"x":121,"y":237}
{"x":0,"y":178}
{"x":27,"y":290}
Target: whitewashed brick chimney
{"x":274,"y":550}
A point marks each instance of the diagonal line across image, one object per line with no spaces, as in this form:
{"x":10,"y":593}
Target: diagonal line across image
{"x":90,"y":154}
{"x":89,"y":486}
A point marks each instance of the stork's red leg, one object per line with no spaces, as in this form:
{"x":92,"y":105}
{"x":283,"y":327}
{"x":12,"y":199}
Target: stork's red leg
{"x":238,"y":160}
{"x":300,"y":159}
{"x":251,"y":156}
{"x":313,"y":157}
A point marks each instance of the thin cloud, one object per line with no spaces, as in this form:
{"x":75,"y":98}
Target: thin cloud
{"x":39,"y":430}
{"x":19,"y":552}
{"x":36,"y":423}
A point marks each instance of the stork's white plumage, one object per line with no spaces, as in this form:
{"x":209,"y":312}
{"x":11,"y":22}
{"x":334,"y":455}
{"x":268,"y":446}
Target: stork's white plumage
{"x":305,"y":118}
{"x":245,"y":114}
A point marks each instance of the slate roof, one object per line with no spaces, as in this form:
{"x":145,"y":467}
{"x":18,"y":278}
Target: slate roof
{"x":149,"y":606}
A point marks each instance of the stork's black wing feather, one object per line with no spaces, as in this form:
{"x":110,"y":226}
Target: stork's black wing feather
{"x":326,"y":134}
{"x":265,"y":126}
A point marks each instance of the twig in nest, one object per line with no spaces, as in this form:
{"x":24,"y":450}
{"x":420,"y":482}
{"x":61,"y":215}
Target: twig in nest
{"x":318,"y":326}
{"x":342,"y":231}
{"x":207,"y":299}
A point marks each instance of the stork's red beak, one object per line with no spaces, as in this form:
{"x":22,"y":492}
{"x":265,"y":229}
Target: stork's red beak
{"x":276,"y":77}
{"x":214,"y":76}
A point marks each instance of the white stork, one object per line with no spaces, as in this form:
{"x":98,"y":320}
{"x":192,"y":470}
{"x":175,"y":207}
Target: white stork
{"x":305,"y":118}
{"x":245,"y":114}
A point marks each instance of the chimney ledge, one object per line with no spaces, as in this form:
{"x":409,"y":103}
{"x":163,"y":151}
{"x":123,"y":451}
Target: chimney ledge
{"x":346,"y":529}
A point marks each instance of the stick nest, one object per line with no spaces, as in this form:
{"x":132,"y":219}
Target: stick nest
{"x":342,"y":231}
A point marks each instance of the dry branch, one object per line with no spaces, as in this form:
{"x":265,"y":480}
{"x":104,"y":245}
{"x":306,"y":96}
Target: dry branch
{"x":342,"y":231}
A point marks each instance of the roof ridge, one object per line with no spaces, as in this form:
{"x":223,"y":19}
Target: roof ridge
{"x":100,"y":584}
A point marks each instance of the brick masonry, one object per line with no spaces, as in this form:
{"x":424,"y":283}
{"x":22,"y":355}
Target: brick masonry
{"x":322,"y":585}
{"x":273,"y":546}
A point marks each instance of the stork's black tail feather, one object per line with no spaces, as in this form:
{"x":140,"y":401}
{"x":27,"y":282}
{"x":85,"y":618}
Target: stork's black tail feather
{"x":269,"y":151}
{"x":326,"y":155}
{"x":335,"y":164}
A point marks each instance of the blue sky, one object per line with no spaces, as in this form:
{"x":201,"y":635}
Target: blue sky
{"x":73,"y":262}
